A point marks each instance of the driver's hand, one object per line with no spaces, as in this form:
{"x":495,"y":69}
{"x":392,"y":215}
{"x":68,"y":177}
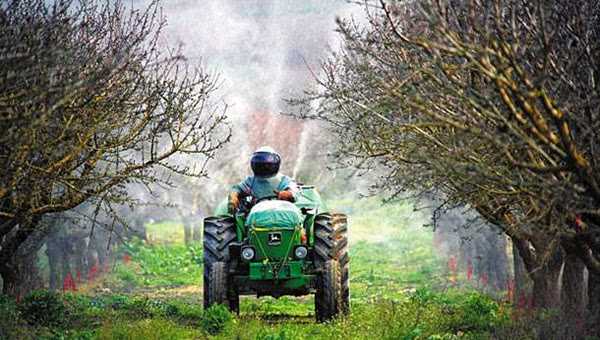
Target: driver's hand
{"x":285,"y":195}
{"x":234,"y":202}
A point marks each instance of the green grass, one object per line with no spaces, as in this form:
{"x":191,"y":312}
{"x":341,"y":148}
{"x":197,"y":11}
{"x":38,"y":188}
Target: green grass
{"x":438,"y":314}
{"x":388,"y":270}
{"x":423,"y":314}
{"x":161,"y":265}
{"x":150,"y":329}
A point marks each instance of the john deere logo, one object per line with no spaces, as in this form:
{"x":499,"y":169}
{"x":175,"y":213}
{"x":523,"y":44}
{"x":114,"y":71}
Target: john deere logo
{"x":274,"y":239}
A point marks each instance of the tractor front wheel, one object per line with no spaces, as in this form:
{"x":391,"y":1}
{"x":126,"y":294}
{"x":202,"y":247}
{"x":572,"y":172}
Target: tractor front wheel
{"x":329,"y":295}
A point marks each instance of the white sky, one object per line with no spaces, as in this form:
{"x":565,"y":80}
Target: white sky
{"x":256,"y":46}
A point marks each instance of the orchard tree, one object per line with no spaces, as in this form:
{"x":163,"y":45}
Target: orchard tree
{"x":488,"y":104}
{"x":90,"y":101}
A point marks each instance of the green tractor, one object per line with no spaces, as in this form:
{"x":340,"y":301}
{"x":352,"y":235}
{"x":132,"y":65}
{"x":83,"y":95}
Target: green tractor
{"x":277,"y":248}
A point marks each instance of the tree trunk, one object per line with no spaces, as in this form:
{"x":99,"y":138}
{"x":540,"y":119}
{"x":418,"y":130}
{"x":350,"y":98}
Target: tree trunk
{"x":497,"y":260}
{"x":79,"y":253}
{"x":18,"y":261}
{"x":593,"y":304}
{"x":187,"y":233}
{"x":9,"y":280}
{"x":18,"y":256}
{"x":522,"y":282}
{"x":65,"y":258}
{"x":197,"y":232}
{"x":572,"y":298}
{"x":196,"y":218}
{"x":54,"y":253}
{"x":28,"y":273}
{"x":101,"y":247}
{"x":546,"y":293}
{"x":139,"y":228}
{"x":545,"y":289}
{"x":20,"y":275}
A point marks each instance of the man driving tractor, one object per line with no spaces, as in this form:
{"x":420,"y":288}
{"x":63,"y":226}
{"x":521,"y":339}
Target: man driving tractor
{"x":267,"y":181}
{"x":277,"y":238}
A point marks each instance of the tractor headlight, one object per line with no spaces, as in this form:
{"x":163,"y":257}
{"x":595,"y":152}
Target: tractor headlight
{"x":300,"y":252}
{"x":248,"y":253}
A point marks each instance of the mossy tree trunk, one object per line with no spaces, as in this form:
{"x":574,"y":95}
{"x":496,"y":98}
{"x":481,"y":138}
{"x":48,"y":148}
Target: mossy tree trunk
{"x":546,"y":292}
{"x":593,"y":304}
{"x":522,"y":282}
{"x":572,"y":298}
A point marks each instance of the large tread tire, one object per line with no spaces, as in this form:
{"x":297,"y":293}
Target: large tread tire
{"x":328,"y":298}
{"x":217,"y":285}
{"x":219,"y":233}
{"x":331,"y":243}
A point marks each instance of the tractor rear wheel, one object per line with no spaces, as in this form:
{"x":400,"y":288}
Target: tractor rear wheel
{"x":328,"y":297}
{"x":219,"y":233}
{"x":331,"y":243}
{"x":216,"y":292}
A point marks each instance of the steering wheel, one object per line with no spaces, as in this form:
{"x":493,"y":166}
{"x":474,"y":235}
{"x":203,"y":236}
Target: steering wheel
{"x":266,"y":198}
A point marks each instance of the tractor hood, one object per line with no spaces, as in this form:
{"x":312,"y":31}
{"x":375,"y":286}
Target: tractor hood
{"x":274,"y":214}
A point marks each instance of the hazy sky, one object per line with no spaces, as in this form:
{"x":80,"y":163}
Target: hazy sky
{"x":256,"y":46}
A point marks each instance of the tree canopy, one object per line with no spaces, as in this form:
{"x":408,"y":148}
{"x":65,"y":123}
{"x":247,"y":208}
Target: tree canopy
{"x":90,"y":101}
{"x":491,"y":105}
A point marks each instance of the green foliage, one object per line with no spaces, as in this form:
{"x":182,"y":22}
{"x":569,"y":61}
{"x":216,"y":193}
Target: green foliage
{"x":114,"y":301}
{"x":10,"y":323}
{"x":44,"y":308}
{"x":196,"y":255}
{"x":161,"y":265}
{"x":216,"y":319}
{"x":140,"y":307}
{"x":459,"y":312}
{"x":146,"y":329}
{"x":181,"y":310}
{"x":68,"y":334}
{"x":283,"y":306}
{"x":423,"y":314}
{"x":422,"y":296}
{"x":74,"y":316}
{"x":282,"y":334}
{"x":480,"y":312}
{"x":413,"y":334}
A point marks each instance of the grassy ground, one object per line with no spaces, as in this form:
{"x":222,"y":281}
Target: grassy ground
{"x":396,"y":293}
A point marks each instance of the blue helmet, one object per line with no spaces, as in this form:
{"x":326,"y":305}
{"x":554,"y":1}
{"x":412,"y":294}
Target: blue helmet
{"x":265,"y":162}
